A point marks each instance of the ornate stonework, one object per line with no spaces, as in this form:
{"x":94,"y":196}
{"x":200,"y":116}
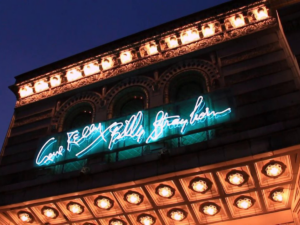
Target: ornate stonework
{"x":205,"y":68}
{"x":143,"y":62}
{"x":93,"y":98}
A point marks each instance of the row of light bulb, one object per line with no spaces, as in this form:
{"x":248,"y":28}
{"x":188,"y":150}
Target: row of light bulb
{"x":177,"y":214}
{"x":127,"y":56}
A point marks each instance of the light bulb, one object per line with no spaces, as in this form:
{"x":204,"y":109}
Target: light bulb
{"x":210,"y":209}
{"x":236,"y":178}
{"x":274,"y":170}
{"x":177,"y":214}
{"x":238,"y":21}
{"x":165,"y":191}
{"x":244,"y":203}
{"x":199,"y":186}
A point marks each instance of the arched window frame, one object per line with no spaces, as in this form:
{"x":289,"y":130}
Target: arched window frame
{"x":120,"y":96}
{"x":92,"y":98}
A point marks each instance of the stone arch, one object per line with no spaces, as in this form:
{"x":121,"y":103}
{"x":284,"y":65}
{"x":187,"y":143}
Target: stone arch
{"x":207,"y":69}
{"x":92,"y":98}
{"x":145,"y":84}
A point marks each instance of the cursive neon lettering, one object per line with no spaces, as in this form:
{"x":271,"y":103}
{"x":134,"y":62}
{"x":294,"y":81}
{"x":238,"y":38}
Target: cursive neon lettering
{"x":131,"y":129}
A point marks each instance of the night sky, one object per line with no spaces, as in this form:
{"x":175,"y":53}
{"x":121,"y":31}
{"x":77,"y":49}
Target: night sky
{"x":34,"y":33}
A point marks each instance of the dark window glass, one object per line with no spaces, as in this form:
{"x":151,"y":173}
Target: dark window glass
{"x":132,"y":106}
{"x":78,"y":116}
{"x":129,"y":102}
{"x":189,"y":90}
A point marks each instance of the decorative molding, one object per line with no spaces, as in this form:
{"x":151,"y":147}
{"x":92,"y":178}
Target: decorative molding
{"x":93,"y":98}
{"x":146,"y":84}
{"x":139,"y":63}
{"x":142,"y":81}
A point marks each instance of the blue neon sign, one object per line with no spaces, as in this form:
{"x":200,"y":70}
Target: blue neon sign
{"x":135,"y":130}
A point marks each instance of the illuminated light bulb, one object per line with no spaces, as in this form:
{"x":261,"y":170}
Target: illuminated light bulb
{"x":238,"y":21}
{"x":244,"y":203}
{"x":25,"y":91}
{"x":199,"y":186}
{"x":91,"y":68}
{"x":173,"y":42}
{"x":116,"y":222}
{"x":107,"y":63}
{"x":104,"y":203}
{"x":25,"y":217}
{"x":274,"y":170}
{"x":165,"y":191}
{"x":208,"y":31}
{"x":75,"y":208}
{"x":236,"y":178}
{"x":261,"y":14}
{"x":74,"y":74}
{"x":277,"y":196}
{"x":146,"y":219}
{"x":55,"y":81}
{"x":49,"y":212}
{"x":40,"y":86}
{"x":189,"y":36}
{"x":126,"y":57}
{"x":133,"y":197}
{"x":152,"y":49}
{"x":177,"y":214}
{"x":210,"y":209}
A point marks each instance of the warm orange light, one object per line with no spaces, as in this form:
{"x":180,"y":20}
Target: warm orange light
{"x":274,"y":170}
{"x":133,"y":198}
{"x":199,"y":186}
{"x":55,"y":80}
{"x":116,"y":222}
{"x":152,"y":49}
{"x":146,"y":219}
{"x":49,"y":212}
{"x":177,"y":214}
{"x":165,"y":191}
{"x":238,"y":21}
{"x":25,"y":91}
{"x":25,"y":217}
{"x":189,"y":36}
{"x":236,"y":178}
{"x":244,"y":203}
{"x":210,"y":209}
{"x":75,"y":208}
{"x":107,"y":63}
{"x":277,"y":196}
{"x":91,"y":68}
{"x":74,"y":74}
{"x":40,"y":85}
{"x":126,"y":57}
{"x":208,"y":30}
{"x":261,"y":14}
{"x":172,"y":42}
{"x":104,"y":203}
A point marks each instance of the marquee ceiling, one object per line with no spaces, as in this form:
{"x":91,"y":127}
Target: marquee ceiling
{"x":180,"y":198}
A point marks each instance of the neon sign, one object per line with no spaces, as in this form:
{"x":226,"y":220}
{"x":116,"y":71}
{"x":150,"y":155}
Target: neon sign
{"x":102,"y":135}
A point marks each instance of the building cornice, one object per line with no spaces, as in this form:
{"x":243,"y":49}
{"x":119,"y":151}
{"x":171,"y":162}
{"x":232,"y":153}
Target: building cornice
{"x":222,"y":34}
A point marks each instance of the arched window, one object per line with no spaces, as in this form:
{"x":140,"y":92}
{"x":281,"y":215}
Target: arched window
{"x":129,"y":101}
{"x":78,"y":116}
{"x":187,"y":85}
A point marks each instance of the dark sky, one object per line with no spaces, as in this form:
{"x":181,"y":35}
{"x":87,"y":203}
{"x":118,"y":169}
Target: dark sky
{"x":34,"y":33}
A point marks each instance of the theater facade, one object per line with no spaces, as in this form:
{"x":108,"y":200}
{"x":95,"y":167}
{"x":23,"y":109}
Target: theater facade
{"x":195,"y":121}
